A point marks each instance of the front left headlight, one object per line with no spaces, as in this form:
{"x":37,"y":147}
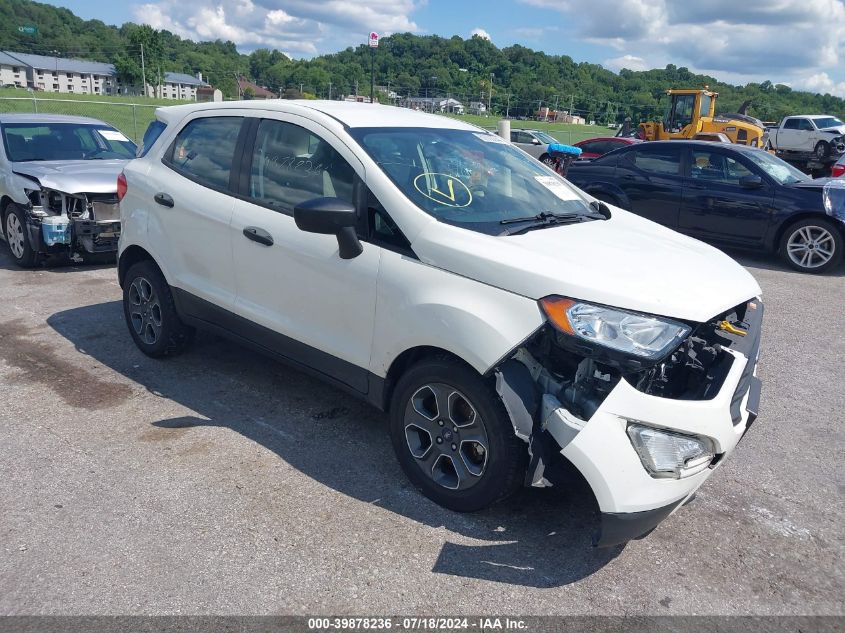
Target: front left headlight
{"x":665,"y":454}
{"x":639,"y":335}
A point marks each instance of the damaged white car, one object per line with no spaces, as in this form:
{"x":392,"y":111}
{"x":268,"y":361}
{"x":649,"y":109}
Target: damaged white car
{"x":58,"y":186}
{"x":502,"y":317}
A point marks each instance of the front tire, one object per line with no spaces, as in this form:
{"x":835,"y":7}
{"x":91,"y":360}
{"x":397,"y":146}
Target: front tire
{"x":822,"y":150}
{"x":813,"y":245}
{"x":453,"y":437}
{"x":17,"y":239}
{"x":548,"y":161}
{"x":150,"y":312}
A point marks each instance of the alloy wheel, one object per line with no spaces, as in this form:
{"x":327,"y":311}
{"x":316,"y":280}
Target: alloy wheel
{"x":446,"y":436}
{"x":145,"y":310}
{"x":15,"y":235}
{"x":811,"y":246}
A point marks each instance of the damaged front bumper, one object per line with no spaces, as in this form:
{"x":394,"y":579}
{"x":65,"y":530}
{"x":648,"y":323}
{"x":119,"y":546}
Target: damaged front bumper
{"x":93,"y":223}
{"x":633,"y":501}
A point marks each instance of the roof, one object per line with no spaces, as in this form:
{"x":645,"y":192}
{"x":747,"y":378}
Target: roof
{"x":8,"y":60}
{"x":46,"y":62}
{"x":182,"y":78}
{"x":348,"y":113}
{"x":19,"y":117}
{"x":257,"y":90}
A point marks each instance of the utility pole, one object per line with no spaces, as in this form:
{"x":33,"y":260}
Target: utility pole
{"x":300,"y":89}
{"x":330,"y":91}
{"x":356,"y":89}
{"x":143,"y":72}
{"x":372,"y":74}
{"x":508,"y":109}
{"x":571,"y":106}
{"x":556,"y":96}
{"x":490,"y":96}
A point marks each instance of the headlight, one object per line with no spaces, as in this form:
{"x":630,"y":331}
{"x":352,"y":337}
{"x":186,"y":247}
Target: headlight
{"x":640,"y":335}
{"x":670,"y":455}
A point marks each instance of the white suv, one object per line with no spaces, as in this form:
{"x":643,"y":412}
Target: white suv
{"x":502,"y":317}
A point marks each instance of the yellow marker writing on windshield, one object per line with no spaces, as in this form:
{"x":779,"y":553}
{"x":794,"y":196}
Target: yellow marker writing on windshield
{"x":450,"y":195}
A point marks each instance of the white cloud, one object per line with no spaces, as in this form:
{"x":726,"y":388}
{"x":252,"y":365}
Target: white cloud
{"x":481,"y":33}
{"x":822,"y":83}
{"x":302,"y":27}
{"x":781,"y":39}
{"x":631,"y":62}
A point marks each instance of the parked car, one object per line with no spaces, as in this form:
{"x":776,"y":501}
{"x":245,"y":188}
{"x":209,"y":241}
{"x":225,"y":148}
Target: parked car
{"x":599,"y":146}
{"x":535,"y":142}
{"x":727,"y":194}
{"x":58,"y":192}
{"x":499,"y":315}
{"x":820,"y":135}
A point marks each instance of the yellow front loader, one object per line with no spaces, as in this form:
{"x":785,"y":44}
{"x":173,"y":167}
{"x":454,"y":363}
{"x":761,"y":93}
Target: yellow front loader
{"x":692,"y":113}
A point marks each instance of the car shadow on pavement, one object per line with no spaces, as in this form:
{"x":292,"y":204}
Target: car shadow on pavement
{"x":538,"y":538}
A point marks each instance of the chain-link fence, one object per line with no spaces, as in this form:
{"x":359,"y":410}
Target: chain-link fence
{"x":130,"y":118}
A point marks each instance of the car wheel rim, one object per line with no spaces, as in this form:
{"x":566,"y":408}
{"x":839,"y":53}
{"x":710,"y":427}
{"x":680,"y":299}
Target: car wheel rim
{"x":15,"y":236}
{"x":549,"y":161}
{"x":811,"y":246}
{"x":145,"y":311}
{"x":446,"y":436}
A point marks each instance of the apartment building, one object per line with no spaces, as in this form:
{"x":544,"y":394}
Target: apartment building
{"x":79,"y":76}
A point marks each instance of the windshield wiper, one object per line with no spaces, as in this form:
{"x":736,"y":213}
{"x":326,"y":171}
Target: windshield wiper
{"x":545,"y":219}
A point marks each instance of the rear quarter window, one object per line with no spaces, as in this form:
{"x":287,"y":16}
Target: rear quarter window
{"x":154,"y":130}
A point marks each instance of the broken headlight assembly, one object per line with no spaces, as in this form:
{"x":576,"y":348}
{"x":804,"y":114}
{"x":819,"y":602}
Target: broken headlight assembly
{"x":665,"y":454}
{"x":624,"y":334}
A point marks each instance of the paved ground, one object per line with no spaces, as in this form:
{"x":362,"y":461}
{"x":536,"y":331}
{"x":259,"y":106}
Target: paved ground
{"x":220,"y":482}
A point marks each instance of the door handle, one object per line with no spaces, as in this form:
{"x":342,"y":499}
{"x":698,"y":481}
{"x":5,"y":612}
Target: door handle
{"x":629,"y":177}
{"x":258,"y":235}
{"x":695,"y":185}
{"x":164,"y":200}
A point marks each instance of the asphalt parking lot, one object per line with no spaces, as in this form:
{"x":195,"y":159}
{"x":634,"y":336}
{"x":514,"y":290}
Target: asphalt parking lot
{"x":222,"y":482}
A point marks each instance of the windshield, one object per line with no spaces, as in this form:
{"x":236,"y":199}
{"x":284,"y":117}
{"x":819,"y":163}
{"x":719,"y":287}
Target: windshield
{"x":827,"y":122}
{"x":781,"y":171}
{"x":64,"y":141}
{"x":545,"y":138}
{"x":470,"y":179}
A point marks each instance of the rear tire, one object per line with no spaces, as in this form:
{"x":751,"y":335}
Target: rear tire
{"x":470,"y":461}
{"x":150,"y":312}
{"x":548,"y":161}
{"x":15,"y":231}
{"x":813,"y":245}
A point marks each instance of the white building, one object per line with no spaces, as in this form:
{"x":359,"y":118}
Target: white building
{"x":477,"y":107}
{"x":177,"y":86}
{"x":79,"y":76}
{"x":59,"y":74}
{"x":433,"y":104}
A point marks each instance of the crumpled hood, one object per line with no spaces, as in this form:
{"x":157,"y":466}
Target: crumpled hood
{"x":626,"y":262}
{"x":74,"y":176}
{"x":835,"y":130}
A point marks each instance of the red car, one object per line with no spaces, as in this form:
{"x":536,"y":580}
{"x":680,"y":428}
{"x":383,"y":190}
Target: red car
{"x":595,"y":147}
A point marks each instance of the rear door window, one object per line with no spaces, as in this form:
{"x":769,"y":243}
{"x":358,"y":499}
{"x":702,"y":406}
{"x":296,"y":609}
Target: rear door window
{"x":204,"y":150}
{"x":663,"y":160}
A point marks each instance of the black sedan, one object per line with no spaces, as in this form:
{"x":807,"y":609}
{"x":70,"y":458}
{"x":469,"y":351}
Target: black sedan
{"x":732,"y":195}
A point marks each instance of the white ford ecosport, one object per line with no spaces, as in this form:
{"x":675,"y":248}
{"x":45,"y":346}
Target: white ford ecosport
{"x":501,"y":316}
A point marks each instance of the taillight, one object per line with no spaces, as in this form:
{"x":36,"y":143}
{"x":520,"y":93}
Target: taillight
{"x":121,"y":186}
{"x":838,"y":171}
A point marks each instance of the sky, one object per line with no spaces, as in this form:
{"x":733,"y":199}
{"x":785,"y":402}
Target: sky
{"x":800,"y":43}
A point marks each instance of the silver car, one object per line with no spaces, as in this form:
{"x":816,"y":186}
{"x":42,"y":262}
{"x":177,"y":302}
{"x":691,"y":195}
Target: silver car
{"x":58,"y":186}
{"x":535,"y":142}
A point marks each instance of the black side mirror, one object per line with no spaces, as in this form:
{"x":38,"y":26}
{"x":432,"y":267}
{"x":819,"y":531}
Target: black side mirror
{"x":751,"y":182}
{"x":331,"y":216}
